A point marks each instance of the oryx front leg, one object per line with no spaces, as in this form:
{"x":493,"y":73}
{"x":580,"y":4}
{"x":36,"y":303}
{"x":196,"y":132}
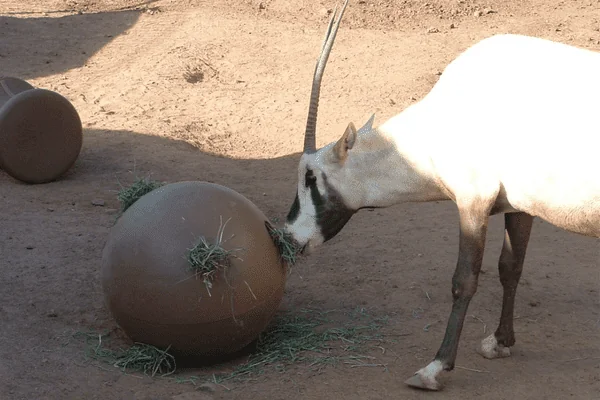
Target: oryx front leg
{"x":474,"y":216}
{"x":516,"y":238}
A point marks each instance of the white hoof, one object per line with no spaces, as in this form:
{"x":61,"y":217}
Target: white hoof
{"x":426,"y":378}
{"x":491,"y":349}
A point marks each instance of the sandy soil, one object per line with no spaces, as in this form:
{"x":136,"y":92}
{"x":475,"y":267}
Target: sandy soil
{"x":133,"y":74}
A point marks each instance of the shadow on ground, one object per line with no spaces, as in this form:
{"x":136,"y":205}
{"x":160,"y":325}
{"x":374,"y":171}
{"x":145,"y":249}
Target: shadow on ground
{"x":110,"y":159}
{"x":56,"y":45}
{"x":397,"y":261}
{"x":52,"y":238}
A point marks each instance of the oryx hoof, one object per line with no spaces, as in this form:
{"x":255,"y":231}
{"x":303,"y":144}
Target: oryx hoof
{"x":425,"y":378}
{"x":490,"y":348}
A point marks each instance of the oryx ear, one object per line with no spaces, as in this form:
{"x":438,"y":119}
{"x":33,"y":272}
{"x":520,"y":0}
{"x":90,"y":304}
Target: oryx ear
{"x":368,"y":125}
{"x":345,"y":143}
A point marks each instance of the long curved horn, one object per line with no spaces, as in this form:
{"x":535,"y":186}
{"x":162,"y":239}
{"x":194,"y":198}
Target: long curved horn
{"x":310,"y":145}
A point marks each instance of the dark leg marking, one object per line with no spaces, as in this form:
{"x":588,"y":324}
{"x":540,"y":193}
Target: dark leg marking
{"x":517,"y":231}
{"x":473,"y":231}
{"x":516,"y":238}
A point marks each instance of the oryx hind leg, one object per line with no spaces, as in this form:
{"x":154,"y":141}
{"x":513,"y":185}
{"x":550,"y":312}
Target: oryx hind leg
{"x":474,"y":216}
{"x":517,"y":231}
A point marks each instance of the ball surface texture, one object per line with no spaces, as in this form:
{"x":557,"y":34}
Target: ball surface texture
{"x":157,"y":299}
{"x":41,"y":134}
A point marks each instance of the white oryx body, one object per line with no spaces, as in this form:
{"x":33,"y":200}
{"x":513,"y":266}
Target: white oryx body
{"x":515,"y":115}
{"x":512,"y":126}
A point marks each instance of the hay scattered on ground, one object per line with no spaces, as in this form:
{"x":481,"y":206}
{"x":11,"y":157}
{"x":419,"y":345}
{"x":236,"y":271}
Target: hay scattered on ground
{"x":129,"y":195}
{"x":140,"y":357}
{"x":310,"y":338}
{"x":288,"y":247}
{"x":206,"y":259}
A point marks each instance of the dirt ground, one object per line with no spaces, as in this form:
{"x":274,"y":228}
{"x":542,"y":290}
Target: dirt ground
{"x":218,"y":91}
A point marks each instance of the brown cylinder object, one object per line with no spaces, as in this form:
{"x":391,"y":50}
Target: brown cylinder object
{"x":41,"y":134}
{"x":154,"y":296}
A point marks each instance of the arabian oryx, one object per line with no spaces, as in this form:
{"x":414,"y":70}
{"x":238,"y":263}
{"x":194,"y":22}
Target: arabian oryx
{"x":512,"y":126}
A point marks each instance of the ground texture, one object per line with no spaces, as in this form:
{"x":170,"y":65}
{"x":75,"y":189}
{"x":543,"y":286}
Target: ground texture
{"x":218,"y":91}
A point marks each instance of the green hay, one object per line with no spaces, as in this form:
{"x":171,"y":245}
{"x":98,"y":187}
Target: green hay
{"x":287,"y":246}
{"x":312,"y":338}
{"x":206,"y":259}
{"x":305,"y":339}
{"x":129,"y":195}
{"x":140,"y":357}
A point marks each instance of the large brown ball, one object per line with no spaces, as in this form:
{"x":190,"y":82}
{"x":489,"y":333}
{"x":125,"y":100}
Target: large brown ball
{"x":155,"y":297}
{"x":40,"y":132}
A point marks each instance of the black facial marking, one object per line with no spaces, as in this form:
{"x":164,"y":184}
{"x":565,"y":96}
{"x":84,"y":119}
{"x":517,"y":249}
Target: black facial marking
{"x":309,"y":178}
{"x":310,"y":181}
{"x":294,"y":210}
{"x":332,"y":212}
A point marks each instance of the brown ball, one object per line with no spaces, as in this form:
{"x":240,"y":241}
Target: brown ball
{"x":40,"y":132}
{"x":155,"y":297}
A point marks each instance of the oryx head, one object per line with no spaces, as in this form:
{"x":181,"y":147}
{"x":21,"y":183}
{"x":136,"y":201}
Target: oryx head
{"x":328,"y":192}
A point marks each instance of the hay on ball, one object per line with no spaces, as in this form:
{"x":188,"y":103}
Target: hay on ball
{"x":288,"y":247}
{"x":206,"y":259}
{"x":164,"y":249}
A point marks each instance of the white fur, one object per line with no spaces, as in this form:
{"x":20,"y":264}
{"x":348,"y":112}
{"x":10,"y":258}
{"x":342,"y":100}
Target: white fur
{"x":517,"y":113}
{"x":513,"y":117}
{"x":491,"y":349}
{"x":512,"y":125}
{"x":305,"y":229}
{"x":426,"y":378}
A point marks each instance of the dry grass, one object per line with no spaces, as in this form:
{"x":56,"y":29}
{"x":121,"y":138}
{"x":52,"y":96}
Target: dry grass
{"x":129,"y":195}
{"x":140,"y":357}
{"x":207,"y":259}
{"x":288,"y":247}
{"x":310,"y":338}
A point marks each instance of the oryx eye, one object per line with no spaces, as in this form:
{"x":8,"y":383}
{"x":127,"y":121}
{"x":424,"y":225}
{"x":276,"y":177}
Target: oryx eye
{"x":309,"y":178}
